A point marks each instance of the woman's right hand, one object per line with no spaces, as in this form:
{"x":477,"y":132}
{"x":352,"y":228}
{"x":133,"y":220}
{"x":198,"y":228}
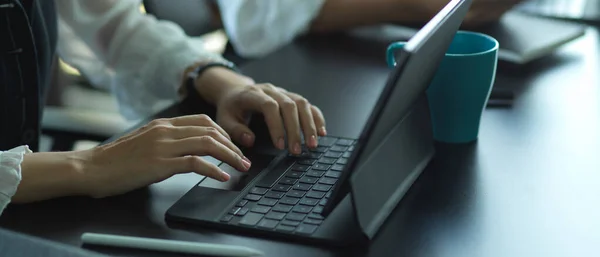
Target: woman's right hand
{"x":159,"y":150}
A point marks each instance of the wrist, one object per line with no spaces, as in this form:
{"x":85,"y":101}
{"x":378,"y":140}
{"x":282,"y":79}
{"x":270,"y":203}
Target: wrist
{"x":51,"y":175}
{"x":216,"y":81}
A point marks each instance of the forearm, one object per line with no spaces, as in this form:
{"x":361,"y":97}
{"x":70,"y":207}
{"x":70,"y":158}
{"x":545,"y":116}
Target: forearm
{"x":344,"y":14}
{"x":50,"y":175}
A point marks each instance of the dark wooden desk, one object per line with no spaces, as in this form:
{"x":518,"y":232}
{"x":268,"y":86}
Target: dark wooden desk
{"x":529,"y":187}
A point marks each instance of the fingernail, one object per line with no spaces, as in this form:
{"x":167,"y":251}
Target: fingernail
{"x":246,"y":164}
{"x":247,"y":139}
{"x":246,"y":159}
{"x":297,"y":149}
{"x":323,"y":131}
{"x":224,"y":176}
{"x":313,"y":141}
{"x":281,"y":143}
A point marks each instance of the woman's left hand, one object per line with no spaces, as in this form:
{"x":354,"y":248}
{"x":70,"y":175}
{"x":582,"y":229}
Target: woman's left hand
{"x":286,"y":113}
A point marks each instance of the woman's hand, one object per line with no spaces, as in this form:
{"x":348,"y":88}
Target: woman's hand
{"x":286,"y":113}
{"x":159,"y":150}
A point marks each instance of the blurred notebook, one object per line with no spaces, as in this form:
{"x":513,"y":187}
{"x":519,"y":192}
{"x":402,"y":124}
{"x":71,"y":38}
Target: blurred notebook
{"x":522,"y":37}
{"x":578,"y":10}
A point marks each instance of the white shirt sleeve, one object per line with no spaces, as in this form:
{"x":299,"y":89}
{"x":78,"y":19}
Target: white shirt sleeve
{"x":257,"y":28}
{"x":141,"y":59}
{"x":10,"y":173}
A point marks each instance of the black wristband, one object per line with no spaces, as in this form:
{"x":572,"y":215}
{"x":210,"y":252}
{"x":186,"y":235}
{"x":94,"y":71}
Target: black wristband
{"x":202,"y":68}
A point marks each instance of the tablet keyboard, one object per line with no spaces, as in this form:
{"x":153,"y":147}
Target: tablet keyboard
{"x":291,"y":196}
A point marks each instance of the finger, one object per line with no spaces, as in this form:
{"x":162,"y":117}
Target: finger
{"x":195,"y":164}
{"x":238,"y":129}
{"x":319,"y":120}
{"x":306,"y":119}
{"x":202,"y":120}
{"x":289,"y":111}
{"x":256,"y":100}
{"x":193,"y":131}
{"x":206,"y":145}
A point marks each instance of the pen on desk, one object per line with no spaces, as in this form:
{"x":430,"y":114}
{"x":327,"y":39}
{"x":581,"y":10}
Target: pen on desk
{"x":169,"y":245}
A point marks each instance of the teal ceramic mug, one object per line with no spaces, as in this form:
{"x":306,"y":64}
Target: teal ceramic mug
{"x":461,"y":87}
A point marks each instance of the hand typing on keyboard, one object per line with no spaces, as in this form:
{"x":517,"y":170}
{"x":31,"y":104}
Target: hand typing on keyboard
{"x":285,"y":113}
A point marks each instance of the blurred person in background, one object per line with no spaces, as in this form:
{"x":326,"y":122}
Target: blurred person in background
{"x":148,"y":61}
{"x":256,"y":28}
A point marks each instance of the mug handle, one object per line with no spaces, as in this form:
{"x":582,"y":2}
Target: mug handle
{"x":391,"y":53}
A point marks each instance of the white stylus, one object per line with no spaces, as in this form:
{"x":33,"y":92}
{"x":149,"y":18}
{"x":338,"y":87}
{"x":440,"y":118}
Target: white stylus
{"x":169,"y":245}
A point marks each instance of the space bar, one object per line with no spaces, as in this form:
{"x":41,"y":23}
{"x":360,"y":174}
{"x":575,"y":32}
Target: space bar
{"x":274,"y":174}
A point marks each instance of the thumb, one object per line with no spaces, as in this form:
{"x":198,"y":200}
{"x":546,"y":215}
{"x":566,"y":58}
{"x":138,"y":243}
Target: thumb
{"x":238,"y":130}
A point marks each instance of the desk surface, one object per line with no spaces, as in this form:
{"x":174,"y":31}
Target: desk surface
{"x":529,"y":187}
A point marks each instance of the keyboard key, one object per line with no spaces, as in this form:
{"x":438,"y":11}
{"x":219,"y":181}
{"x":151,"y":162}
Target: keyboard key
{"x":351,"y":148}
{"x":251,"y":197}
{"x":333,"y":174}
{"x":315,"y":173}
{"x":267,"y":202}
{"x":309,"y":201}
{"x":344,"y":142}
{"x":294,"y":174}
{"x":268,"y":224}
{"x":327,"y":181}
{"x":338,"y":148}
{"x":227,"y":218}
{"x":290,"y":223}
{"x":251,"y":219}
{"x":309,"y":180}
{"x":319,"y":149}
{"x":312,"y":221}
{"x":342,"y":161}
{"x":242,"y":203}
{"x":322,"y":167}
{"x":295,"y":216}
{"x":314,"y":155}
{"x":282,"y":207}
{"x":308,"y":162}
{"x":315,"y":194}
{"x":306,"y":229}
{"x":318,"y":209}
{"x":288,"y":181}
{"x":316,"y":216}
{"x":298,"y":167}
{"x":272,"y":176}
{"x":323,"y":201}
{"x":327,"y":141}
{"x":242,"y":211}
{"x":302,"y":209}
{"x":347,"y":154}
{"x":235,"y":210}
{"x":321,"y":187}
{"x":331,"y":154}
{"x":326,"y":160}
{"x":337,"y":167}
{"x":275,"y":215}
{"x":302,"y":187}
{"x":260,"y":209}
{"x":284,"y":228}
{"x":328,"y":194}
{"x":281,"y":188}
{"x":274,"y":194}
{"x":289,"y":200}
{"x":295,"y":193}
{"x":258,"y":190}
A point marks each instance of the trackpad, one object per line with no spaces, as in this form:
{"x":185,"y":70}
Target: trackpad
{"x":238,"y":179}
